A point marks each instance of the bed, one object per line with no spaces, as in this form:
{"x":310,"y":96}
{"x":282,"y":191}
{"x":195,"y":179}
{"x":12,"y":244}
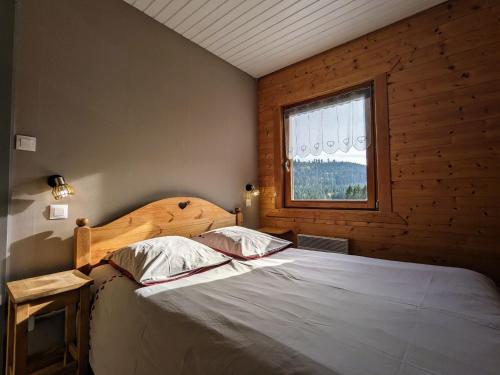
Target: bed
{"x":294,"y":312}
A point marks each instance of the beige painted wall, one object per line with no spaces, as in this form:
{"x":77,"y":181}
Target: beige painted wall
{"x":129,"y":112}
{"x":6,"y":47}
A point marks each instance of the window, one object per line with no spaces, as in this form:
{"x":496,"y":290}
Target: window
{"x":335,"y":150}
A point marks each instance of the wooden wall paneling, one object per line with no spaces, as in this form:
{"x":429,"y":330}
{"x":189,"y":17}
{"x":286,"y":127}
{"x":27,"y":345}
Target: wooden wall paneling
{"x":443,"y":75}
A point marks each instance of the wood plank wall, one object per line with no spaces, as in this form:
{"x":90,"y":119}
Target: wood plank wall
{"x":443,"y":70}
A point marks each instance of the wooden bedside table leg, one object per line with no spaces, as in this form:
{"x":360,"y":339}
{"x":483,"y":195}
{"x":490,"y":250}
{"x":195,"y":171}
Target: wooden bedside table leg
{"x":20,"y":339}
{"x":83,"y":331}
{"x":9,"y":359}
{"x":69,"y":331}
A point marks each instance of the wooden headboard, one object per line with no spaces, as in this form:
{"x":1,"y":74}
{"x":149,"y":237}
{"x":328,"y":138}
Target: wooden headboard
{"x":180,"y":216}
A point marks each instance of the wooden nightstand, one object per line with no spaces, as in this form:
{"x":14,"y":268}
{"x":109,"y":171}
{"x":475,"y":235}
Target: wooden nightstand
{"x":69,"y":290}
{"x":284,"y":233}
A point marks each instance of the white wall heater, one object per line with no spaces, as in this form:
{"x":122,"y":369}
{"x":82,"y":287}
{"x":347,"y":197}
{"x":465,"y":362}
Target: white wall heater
{"x":317,"y":243}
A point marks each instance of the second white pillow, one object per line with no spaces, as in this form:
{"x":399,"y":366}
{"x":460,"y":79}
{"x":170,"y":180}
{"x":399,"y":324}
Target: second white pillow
{"x":242,"y":242}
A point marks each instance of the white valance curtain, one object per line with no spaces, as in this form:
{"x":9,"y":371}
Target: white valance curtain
{"x":329,"y":125}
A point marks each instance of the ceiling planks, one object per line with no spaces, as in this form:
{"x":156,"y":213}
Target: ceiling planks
{"x":262,"y":36}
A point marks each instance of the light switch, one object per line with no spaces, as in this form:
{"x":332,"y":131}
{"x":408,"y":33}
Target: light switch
{"x":25,"y":143}
{"x":58,"y":211}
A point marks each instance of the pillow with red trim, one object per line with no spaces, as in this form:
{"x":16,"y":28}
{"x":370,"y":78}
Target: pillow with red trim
{"x":162,"y":259}
{"x":242,"y":242}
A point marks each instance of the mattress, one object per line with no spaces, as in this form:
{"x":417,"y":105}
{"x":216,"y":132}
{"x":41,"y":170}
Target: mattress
{"x":299,"y":312}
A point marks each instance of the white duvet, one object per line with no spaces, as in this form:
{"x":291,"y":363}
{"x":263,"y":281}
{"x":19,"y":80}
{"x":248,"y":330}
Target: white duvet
{"x":299,"y":312}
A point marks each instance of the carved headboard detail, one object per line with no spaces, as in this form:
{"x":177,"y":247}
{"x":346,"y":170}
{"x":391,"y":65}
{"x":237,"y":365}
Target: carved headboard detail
{"x":180,"y":216}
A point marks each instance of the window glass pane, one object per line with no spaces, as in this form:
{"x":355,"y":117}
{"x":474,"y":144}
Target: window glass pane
{"x":341,"y":176}
{"x":327,"y":142}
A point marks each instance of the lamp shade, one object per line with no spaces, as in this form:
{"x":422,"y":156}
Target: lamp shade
{"x":60,"y":188}
{"x":252,"y":189}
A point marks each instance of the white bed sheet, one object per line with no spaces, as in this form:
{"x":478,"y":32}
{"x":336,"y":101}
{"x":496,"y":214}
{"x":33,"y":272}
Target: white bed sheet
{"x":299,"y":312}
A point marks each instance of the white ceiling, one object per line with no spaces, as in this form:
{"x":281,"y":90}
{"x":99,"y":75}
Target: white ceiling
{"x":261,"y":36}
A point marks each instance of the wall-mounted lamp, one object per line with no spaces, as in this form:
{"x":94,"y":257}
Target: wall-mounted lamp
{"x":250,"y":190}
{"x":60,"y":188}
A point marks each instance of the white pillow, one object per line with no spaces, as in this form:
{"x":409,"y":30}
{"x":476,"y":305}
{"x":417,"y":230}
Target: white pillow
{"x":164,"y":259}
{"x":242,"y":242}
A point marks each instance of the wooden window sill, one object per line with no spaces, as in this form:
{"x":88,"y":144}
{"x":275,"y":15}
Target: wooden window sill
{"x":334,"y":215}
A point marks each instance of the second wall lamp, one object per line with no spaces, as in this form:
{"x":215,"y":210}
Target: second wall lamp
{"x":250,"y":190}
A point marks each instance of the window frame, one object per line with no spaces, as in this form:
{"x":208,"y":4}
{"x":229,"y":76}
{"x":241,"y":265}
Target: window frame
{"x":370,"y":203}
{"x":378,"y":156}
